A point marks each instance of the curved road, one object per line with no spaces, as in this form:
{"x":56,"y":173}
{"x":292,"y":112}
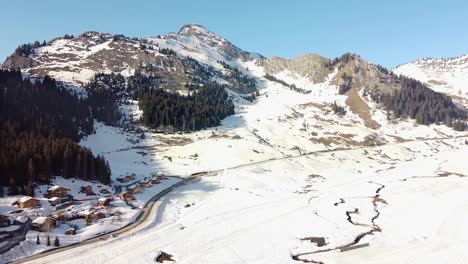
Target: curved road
{"x":142,"y":217}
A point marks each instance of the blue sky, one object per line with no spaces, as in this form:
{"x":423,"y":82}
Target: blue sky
{"x":383,"y":32}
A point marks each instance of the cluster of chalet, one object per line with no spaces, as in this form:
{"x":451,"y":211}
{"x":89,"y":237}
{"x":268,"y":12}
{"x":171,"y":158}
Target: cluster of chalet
{"x":137,"y":187}
{"x":57,"y":195}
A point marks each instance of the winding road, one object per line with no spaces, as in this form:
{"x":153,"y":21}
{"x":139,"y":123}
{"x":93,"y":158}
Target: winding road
{"x":154,"y":203}
{"x":149,"y":207}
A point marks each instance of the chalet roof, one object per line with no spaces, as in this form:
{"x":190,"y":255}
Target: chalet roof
{"x":21,"y":219}
{"x":103,"y":199}
{"x":40,"y":220}
{"x":55,"y":187}
{"x":25,"y":199}
{"x":144,"y":181}
{"x":131,"y":187}
{"x":53,"y":199}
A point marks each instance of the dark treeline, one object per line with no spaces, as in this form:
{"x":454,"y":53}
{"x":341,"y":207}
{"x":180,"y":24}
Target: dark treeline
{"x":27,"y":49}
{"x":418,"y":102}
{"x":204,"y":107}
{"x":43,"y":107}
{"x":39,"y":123}
{"x":291,"y":86}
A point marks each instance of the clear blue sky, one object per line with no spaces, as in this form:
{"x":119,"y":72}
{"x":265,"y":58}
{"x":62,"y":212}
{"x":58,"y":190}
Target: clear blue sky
{"x":384,"y":32}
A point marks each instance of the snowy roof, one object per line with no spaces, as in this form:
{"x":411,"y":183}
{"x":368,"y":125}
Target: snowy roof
{"x":103,"y":199}
{"x":53,"y":199}
{"x":25,"y":199}
{"x":21,"y":219}
{"x":133,"y":186}
{"x":40,"y":220}
{"x":55,"y":187}
{"x":144,"y":181}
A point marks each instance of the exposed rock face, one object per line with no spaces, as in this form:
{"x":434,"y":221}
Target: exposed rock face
{"x":311,"y":66}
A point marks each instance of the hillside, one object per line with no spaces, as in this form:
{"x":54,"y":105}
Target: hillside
{"x":446,"y":75}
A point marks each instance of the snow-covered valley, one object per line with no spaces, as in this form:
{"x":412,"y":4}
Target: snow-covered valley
{"x":302,"y":173}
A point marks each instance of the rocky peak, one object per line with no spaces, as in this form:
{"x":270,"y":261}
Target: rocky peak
{"x":193,"y":30}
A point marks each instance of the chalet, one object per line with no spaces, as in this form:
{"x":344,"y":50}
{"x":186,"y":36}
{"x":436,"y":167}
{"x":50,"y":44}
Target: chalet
{"x":59,"y":200}
{"x":4,"y":221}
{"x":145,"y":183}
{"x":104,"y":201}
{"x":57,"y":191}
{"x":54,"y":201}
{"x":91,"y":214}
{"x":134,"y":189}
{"x":126,"y":196}
{"x":70,"y":231}
{"x":28,"y":202}
{"x":88,"y":190}
{"x":124,"y":179}
{"x":155,"y":180}
{"x":127,"y":178}
{"x":43,"y":223}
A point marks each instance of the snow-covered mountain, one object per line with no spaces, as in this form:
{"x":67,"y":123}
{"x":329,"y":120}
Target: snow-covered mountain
{"x":75,"y":60}
{"x":194,"y":55}
{"x":314,"y":163}
{"x":446,"y":75}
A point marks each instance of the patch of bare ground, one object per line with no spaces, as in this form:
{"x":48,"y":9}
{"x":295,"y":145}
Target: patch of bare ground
{"x":316,"y":105}
{"x":318,"y":241}
{"x":164,"y":257}
{"x":434,"y":82}
{"x":174,"y":141}
{"x":328,"y":141}
{"x":399,"y":139}
{"x":219,"y":134}
{"x":448,"y":173}
{"x":360,"y":107}
{"x":459,"y":99}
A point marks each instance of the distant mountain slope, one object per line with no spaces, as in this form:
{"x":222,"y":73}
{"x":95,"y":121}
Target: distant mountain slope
{"x":447,"y":75}
{"x":194,"y":57}
{"x":176,"y":58}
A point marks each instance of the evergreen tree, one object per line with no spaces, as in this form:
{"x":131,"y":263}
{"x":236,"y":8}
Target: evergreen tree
{"x":48,"y":240}
{"x":30,"y":188}
{"x":38,"y":242}
{"x":56,"y":242}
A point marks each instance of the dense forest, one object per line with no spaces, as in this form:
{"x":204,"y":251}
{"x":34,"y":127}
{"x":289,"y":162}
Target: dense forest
{"x":418,"y":102}
{"x":104,"y":92}
{"x":39,"y":124}
{"x":204,"y":107}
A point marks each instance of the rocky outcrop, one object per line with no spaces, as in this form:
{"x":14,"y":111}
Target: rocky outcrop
{"x":311,"y":66}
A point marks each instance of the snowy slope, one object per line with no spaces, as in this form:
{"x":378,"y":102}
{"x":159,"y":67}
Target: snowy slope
{"x":282,"y":169}
{"x":448,"y":76}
